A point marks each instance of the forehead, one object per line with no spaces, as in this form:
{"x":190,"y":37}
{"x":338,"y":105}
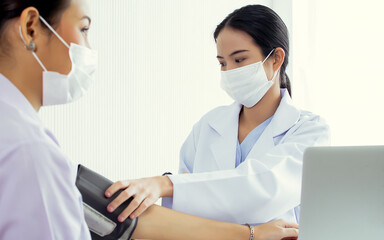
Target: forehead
{"x":79,"y":8}
{"x":231,"y":39}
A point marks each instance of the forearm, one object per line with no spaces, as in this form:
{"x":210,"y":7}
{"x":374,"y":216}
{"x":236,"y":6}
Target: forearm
{"x":159,"y":223}
{"x":264,"y":202}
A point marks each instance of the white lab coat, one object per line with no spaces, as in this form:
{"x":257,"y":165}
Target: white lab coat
{"x":266,"y":186}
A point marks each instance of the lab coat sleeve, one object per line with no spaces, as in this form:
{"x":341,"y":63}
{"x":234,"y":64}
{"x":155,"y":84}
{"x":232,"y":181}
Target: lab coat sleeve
{"x":258,"y":190}
{"x":39,"y":199}
{"x":188,"y":149}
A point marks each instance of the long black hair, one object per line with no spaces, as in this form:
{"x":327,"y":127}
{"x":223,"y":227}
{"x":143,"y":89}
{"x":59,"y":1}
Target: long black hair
{"x":49,"y":9}
{"x":267,"y":30}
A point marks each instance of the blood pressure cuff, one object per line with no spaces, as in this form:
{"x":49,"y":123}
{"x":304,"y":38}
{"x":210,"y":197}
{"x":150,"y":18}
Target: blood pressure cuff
{"x":102,"y":224}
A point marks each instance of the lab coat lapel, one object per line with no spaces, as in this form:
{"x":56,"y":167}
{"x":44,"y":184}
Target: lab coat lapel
{"x":263,"y":144}
{"x":284,"y":118}
{"x":223,"y":147}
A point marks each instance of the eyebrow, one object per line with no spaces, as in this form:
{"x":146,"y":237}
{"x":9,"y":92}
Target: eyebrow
{"x":234,"y":53}
{"x":88,"y":18}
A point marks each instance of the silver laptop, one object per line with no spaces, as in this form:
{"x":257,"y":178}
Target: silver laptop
{"x":342,"y":193}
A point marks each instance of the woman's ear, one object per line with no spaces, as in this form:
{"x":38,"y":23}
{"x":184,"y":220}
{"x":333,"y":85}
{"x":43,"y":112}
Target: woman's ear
{"x":29,"y":25}
{"x":278,"y":58}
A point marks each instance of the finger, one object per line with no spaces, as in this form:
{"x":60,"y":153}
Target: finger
{"x":291,"y":225}
{"x":123,"y":196}
{"x":116,"y":187}
{"x":286,"y":224}
{"x":185,"y":172}
{"x":131,"y":207}
{"x":290,"y":232}
{"x":143,"y":206}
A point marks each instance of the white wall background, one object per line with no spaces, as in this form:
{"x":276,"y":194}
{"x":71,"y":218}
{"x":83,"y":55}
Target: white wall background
{"x":338,"y":63}
{"x":158,"y":75}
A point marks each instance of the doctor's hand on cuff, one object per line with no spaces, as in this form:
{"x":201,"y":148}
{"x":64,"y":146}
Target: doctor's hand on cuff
{"x":145,"y":192}
{"x":279,"y":229}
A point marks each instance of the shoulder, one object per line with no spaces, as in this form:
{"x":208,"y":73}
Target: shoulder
{"x":40,"y":180}
{"x":311,"y":126}
{"x":35,"y":153}
{"x":24,"y":142}
{"x":37,"y":159}
{"x":309,"y":118}
{"x":17,"y":127}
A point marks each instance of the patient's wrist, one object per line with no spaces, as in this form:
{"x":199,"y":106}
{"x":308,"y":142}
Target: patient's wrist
{"x":251,"y":231}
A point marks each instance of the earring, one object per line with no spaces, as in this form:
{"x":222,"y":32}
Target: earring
{"x":31,"y":46}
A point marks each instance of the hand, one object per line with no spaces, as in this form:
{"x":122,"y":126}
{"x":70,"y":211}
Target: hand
{"x":276,"y":230}
{"x":145,"y":192}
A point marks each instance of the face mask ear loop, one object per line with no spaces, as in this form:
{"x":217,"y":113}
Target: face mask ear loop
{"x":274,"y":75}
{"x":33,"y":52}
{"x":268,"y":55}
{"x":21,"y":35}
{"x":53,"y":30}
{"x":38,"y":60}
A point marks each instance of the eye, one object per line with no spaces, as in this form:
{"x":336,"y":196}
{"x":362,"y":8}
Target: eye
{"x":85,"y":30}
{"x":239,"y":60}
{"x":222,"y":64}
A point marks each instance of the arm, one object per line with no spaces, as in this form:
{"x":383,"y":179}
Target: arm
{"x":38,"y":195}
{"x":160,"y":223}
{"x":272,"y":183}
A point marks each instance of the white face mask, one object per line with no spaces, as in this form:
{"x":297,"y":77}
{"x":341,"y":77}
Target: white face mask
{"x":61,"y":89}
{"x":247,"y":85}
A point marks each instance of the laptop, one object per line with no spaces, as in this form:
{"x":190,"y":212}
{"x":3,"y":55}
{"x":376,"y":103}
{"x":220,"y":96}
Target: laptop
{"x":342,"y":193}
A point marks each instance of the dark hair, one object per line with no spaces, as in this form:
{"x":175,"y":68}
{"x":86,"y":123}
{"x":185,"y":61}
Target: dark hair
{"x":50,"y":10}
{"x":267,"y":30}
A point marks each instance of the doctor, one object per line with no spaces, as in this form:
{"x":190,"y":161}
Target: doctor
{"x":245,"y":159}
{"x":45,"y":59}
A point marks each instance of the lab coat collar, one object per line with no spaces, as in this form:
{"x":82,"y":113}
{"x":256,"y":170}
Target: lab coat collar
{"x":226,"y":123}
{"x":222,"y":121}
{"x":286,"y":115}
{"x":11,"y":95}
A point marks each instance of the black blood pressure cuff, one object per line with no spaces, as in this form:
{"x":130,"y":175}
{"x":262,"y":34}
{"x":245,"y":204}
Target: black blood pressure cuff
{"x":102,"y":224}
